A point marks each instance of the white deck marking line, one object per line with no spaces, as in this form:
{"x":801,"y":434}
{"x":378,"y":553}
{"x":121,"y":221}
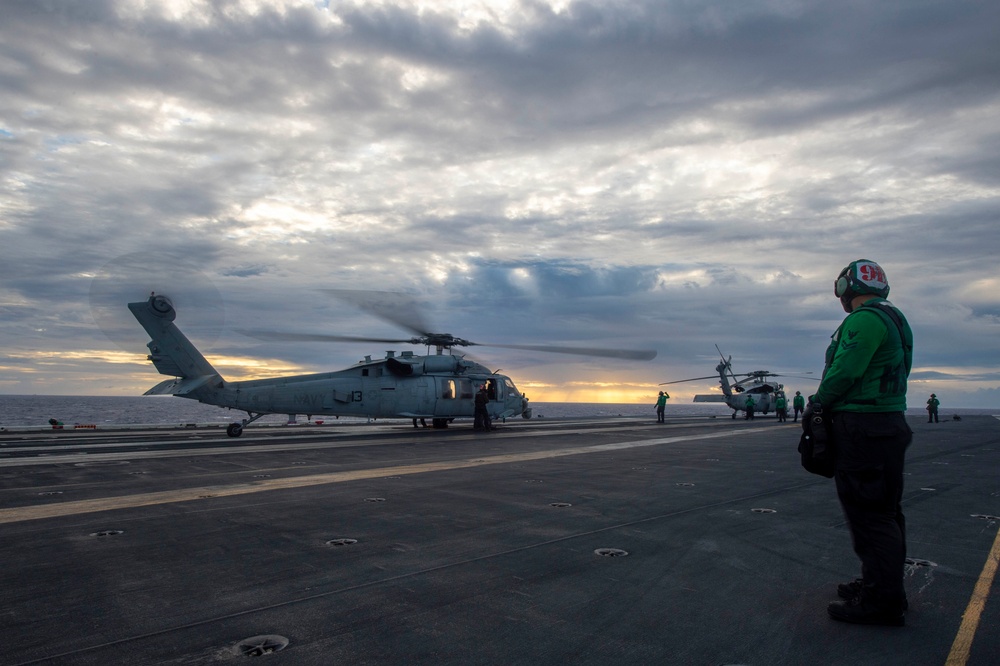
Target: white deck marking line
{"x":60,"y":509}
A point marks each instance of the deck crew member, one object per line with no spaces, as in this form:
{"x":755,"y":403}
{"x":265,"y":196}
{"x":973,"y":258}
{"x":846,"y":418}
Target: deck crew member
{"x":661,"y":406}
{"x":863,"y":393}
{"x":481,"y":413}
{"x":798,"y":404}
{"x":932,"y":408}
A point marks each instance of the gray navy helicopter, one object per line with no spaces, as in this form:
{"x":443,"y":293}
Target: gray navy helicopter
{"x":736,"y":392}
{"x":440,"y":387}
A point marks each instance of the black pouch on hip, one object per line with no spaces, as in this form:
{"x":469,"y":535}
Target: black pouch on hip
{"x":816,"y":446}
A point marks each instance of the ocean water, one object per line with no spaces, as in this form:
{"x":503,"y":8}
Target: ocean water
{"x":36,"y":410}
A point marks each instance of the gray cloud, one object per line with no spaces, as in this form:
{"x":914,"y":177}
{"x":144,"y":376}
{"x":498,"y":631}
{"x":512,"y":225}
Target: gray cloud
{"x":664,"y":174}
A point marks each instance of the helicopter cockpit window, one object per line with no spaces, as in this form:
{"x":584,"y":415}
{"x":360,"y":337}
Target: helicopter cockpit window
{"x":448,"y":389}
{"x":510,"y":386}
{"x":491,"y":389}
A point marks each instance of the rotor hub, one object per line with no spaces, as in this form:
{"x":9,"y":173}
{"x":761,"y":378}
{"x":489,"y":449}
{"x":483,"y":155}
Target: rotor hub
{"x":443,"y":340}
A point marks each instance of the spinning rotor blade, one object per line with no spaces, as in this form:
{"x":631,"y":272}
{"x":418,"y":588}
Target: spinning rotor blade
{"x":274,"y":336}
{"x":638,"y":355}
{"x":693,"y":379}
{"x":727,"y":369}
{"x":775,"y":374}
{"x":389,"y":305}
{"x":277,"y":336}
{"x":400,"y":309}
{"x":761,"y":375}
{"x":767,"y":373}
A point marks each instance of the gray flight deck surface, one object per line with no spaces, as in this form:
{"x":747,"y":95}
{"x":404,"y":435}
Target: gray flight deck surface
{"x":620,"y":541}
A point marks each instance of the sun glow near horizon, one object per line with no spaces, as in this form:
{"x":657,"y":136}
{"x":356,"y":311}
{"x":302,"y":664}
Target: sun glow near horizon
{"x":599,"y":393}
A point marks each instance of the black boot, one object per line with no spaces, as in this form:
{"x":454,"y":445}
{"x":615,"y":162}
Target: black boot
{"x":862,"y":610}
{"x":850,"y":590}
{"x":853,"y":590}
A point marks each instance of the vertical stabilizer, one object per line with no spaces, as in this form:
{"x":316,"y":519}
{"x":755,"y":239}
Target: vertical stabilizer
{"x":722,"y":369}
{"x":170,"y":351}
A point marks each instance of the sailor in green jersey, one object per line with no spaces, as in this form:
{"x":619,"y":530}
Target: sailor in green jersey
{"x":661,"y":405}
{"x":798,"y":404}
{"x":781,"y":407}
{"x":867,"y":362}
{"x":863,"y":394}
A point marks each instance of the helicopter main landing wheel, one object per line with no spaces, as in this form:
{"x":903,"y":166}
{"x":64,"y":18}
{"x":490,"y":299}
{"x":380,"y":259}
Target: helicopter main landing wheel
{"x":439,"y":423}
{"x":234,"y":429}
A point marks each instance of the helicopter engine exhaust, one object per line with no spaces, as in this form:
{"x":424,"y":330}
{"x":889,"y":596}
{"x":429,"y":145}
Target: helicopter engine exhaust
{"x":428,"y":364}
{"x":403,"y":368}
{"x":440,"y":363}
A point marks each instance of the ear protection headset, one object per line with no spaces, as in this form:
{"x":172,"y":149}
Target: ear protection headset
{"x":843,"y":282}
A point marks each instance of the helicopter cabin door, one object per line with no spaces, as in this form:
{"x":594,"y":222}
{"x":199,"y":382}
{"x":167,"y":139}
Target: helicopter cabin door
{"x":494,"y":390}
{"x":454,"y":397}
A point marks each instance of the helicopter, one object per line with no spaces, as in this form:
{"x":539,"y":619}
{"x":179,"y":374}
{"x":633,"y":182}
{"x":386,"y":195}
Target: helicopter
{"x":735,"y":393}
{"x":440,"y":387}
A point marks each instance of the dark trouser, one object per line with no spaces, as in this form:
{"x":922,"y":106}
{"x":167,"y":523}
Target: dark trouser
{"x":870,"y":453}
{"x":482,"y":419}
{"x":932,"y":416}
{"x":798,"y":410}
{"x":659,"y":414}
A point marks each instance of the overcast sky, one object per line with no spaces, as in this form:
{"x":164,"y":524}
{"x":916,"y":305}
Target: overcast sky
{"x":648,"y":174}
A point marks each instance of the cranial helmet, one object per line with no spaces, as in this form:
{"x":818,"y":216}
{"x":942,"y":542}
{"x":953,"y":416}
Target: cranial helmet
{"x":859,"y":278}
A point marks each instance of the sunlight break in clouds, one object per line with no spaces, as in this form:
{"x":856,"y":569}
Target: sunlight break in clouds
{"x":504,"y":15}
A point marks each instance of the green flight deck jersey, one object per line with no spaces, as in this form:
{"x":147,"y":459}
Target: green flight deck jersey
{"x":868,"y":361}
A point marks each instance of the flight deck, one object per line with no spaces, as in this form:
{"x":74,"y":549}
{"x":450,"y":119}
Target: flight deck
{"x":545,"y":541}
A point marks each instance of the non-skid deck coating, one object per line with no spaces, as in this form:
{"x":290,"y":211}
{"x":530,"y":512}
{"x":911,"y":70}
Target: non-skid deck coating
{"x":700,"y":541}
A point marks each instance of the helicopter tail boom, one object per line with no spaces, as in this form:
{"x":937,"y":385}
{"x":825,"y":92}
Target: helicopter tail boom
{"x":170,"y":351}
